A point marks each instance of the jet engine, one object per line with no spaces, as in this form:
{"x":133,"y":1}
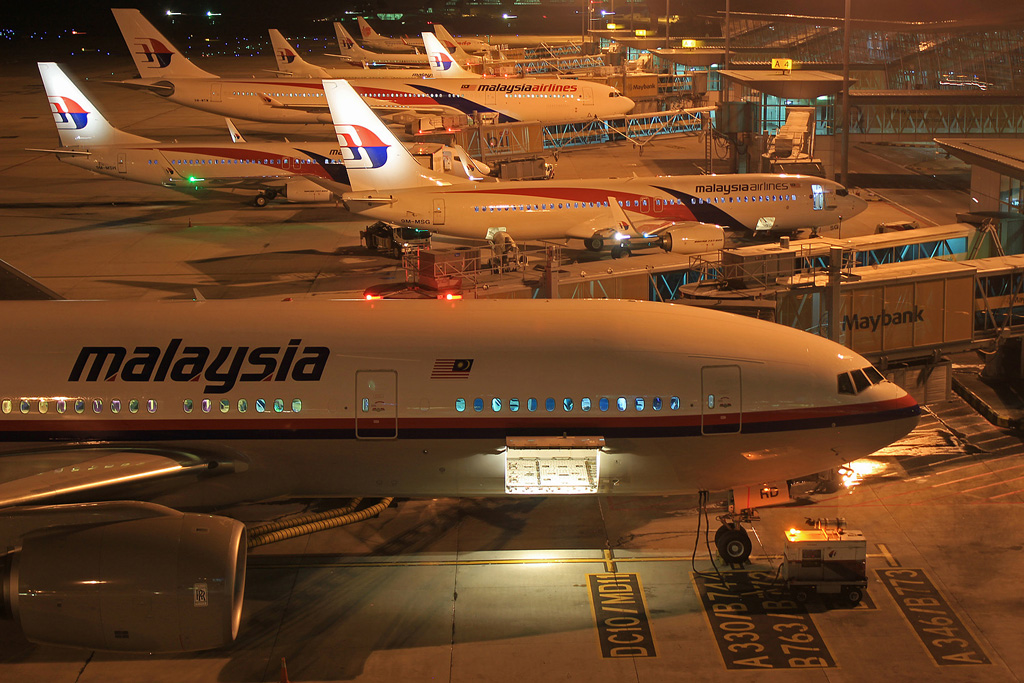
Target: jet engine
{"x":161,"y":584}
{"x":692,"y":238}
{"x":302,"y":190}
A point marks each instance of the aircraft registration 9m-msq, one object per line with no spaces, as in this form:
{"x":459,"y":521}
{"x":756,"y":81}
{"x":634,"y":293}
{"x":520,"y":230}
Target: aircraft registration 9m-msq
{"x":199,"y":405}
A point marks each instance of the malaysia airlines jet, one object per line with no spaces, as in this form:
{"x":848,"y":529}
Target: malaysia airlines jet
{"x":289,"y":63}
{"x":165,"y":72}
{"x":376,"y":41}
{"x":684,"y":213}
{"x":267,"y":169}
{"x":356,"y":55}
{"x":144,"y":407}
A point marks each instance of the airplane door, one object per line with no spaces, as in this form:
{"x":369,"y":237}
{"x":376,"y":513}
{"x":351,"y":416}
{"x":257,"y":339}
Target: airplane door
{"x":438,"y":213}
{"x":376,"y":404}
{"x":122,"y":163}
{"x":215,"y":91}
{"x":588,"y":96}
{"x":722,"y":402}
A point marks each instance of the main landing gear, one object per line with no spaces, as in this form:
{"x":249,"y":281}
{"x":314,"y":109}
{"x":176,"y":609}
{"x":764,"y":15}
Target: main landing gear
{"x":732,"y":541}
{"x":260,"y":200}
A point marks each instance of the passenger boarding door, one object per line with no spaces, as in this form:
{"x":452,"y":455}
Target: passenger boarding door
{"x":376,"y":404}
{"x":438,"y":213}
{"x":215,"y":90}
{"x":722,"y":402}
{"x":588,"y":96}
{"x":822,"y":199}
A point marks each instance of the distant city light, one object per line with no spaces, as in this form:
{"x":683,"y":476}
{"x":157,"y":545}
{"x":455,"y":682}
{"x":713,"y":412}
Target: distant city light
{"x":173,"y":14}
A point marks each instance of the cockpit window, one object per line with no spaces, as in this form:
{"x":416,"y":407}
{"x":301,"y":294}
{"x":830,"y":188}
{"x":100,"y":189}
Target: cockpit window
{"x":874,"y":375}
{"x":845,"y":384}
{"x":860,"y":380}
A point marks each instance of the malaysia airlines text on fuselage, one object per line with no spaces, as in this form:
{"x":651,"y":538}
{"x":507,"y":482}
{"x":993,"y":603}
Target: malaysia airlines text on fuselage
{"x":368,"y":412}
{"x":302,"y":100}
{"x":542,"y":209}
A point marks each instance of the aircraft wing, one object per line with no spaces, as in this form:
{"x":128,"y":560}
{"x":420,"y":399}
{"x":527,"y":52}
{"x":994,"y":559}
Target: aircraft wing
{"x":160,"y":88}
{"x":112,"y":468}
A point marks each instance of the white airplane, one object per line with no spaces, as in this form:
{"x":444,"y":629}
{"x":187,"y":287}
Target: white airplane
{"x":119,"y":414}
{"x":473,"y":45}
{"x":165,"y":72}
{"x":266,"y":169}
{"x":289,"y":63}
{"x":376,"y":41}
{"x":356,"y":55}
{"x":683,"y":213}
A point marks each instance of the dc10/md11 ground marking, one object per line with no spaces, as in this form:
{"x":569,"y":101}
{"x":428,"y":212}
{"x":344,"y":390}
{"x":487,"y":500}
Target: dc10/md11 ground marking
{"x":620,"y":614}
{"x":938,"y":626}
{"x":758,"y":626}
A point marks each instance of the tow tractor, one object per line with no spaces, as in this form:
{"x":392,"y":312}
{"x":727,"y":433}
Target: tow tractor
{"x":828,"y":559}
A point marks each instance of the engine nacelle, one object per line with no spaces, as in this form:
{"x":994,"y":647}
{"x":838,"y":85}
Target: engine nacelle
{"x":693,"y":238}
{"x":302,"y":190}
{"x":163,"y":584}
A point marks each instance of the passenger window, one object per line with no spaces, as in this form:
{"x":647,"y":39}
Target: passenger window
{"x":97,"y":405}
{"x":205,"y":404}
{"x":460,"y":405}
{"x":151,"y":405}
{"x":62,"y":406}
{"x":133,"y":405}
{"x":845,"y":384}
{"x":621,"y":403}
{"x":656,"y":403}
{"x":531,"y":404}
{"x":225,"y":405}
{"x":187,"y":405}
{"x":567,"y":404}
{"x":639,"y":403}
{"x":44,"y":406}
{"x":5,"y":406}
{"x":496,"y":405}
{"x":261,"y":405}
{"x":478,"y":404}
{"x":296,"y":405}
{"x":278,"y":405}
{"x":115,"y":406}
{"x":80,"y":405}
{"x":513,"y":405}
{"x":603,"y":404}
{"x":549,"y":404}
{"x":585,"y":404}
{"x":243,"y":405}
{"x":25,"y":406}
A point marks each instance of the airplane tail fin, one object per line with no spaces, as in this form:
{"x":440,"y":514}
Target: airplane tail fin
{"x":289,"y":61}
{"x":374,"y":158}
{"x":154,"y":55}
{"x":365,"y":30}
{"x":441,"y":62}
{"x":349,"y":47}
{"x":78,"y":120}
{"x":456,"y":51}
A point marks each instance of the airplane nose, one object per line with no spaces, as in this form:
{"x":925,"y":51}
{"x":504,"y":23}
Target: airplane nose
{"x":626,"y":104}
{"x":855,"y":205}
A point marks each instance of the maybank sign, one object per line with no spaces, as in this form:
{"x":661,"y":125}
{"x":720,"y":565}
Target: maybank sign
{"x":883,"y":319}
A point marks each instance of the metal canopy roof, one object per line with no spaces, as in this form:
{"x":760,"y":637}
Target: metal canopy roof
{"x":691,"y":56}
{"x":792,"y":85}
{"x":1003,"y":155}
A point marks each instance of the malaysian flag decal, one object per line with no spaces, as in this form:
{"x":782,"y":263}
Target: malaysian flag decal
{"x":451,"y":368}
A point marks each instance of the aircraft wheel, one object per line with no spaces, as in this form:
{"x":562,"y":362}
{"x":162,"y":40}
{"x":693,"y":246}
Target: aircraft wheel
{"x":617,"y":251}
{"x":594,"y":243}
{"x":734,"y":545}
{"x":801,"y":594}
{"x":259,"y":201}
{"x":852,"y":595}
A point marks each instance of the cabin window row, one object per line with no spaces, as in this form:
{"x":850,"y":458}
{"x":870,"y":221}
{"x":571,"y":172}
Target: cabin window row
{"x":568,"y":405}
{"x":81,"y":406}
{"x":745,"y":198}
{"x":857,"y":381}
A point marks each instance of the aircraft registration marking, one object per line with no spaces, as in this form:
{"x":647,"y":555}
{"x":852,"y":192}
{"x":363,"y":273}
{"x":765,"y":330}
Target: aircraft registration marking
{"x":935,"y":622}
{"x":620,"y":614}
{"x":757,"y":626}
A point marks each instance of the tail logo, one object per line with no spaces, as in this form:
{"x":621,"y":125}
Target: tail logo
{"x":365,"y":30}
{"x":68,"y":114}
{"x":153,"y":52}
{"x":365,"y":149}
{"x":285,"y":56}
{"x":441,"y":61}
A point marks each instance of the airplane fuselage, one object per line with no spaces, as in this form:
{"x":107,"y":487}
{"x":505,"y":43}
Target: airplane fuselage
{"x":552,"y":209}
{"x":428,"y":398}
{"x":302,"y":100}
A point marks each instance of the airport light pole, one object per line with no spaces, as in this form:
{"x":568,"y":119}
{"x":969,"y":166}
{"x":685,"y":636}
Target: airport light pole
{"x":844,"y":163}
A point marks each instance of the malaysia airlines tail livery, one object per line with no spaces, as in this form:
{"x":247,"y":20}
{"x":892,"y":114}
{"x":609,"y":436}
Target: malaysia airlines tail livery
{"x":474,"y":45}
{"x":682,"y":212}
{"x":165,"y":72}
{"x":143,"y":407}
{"x":268,"y":169}
{"x":355,"y":54}
{"x":378,"y":42}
